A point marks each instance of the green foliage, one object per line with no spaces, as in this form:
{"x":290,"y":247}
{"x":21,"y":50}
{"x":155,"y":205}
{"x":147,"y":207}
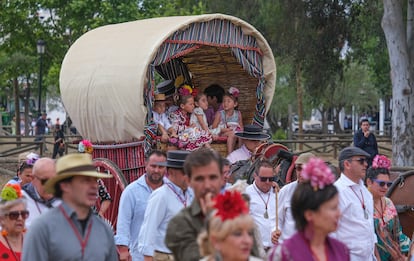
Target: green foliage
{"x":280,"y":134}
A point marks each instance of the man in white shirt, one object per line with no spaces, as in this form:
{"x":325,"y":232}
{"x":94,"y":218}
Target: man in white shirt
{"x":252,"y":136}
{"x":356,"y":225}
{"x":38,"y":200}
{"x":286,"y":221}
{"x":262,"y":201}
{"x":134,"y":200}
{"x":163,"y":204}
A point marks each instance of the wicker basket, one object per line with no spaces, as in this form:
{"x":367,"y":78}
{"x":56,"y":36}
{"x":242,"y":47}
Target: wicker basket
{"x":209,"y":64}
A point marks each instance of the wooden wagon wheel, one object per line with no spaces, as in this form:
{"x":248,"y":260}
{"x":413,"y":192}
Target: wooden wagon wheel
{"x":114,"y":185}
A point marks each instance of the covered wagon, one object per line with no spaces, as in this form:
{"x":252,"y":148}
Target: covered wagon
{"x":109,"y":74}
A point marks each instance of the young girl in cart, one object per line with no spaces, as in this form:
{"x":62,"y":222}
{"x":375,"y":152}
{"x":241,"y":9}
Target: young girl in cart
{"x":229,"y":120}
{"x":190,"y":136}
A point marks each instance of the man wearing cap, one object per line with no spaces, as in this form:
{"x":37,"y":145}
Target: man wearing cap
{"x":133,"y":203}
{"x":71,"y":231}
{"x":356,"y":225}
{"x":38,"y":200}
{"x":163,"y":204}
{"x":262,"y":201}
{"x":252,"y":136}
{"x":286,"y":221}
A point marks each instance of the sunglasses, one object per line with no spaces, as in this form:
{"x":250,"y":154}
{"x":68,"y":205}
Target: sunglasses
{"x":264,"y":179}
{"x":42,"y":181}
{"x":360,"y":160}
{"x":382,"y":183}
{"x":14,"y":215}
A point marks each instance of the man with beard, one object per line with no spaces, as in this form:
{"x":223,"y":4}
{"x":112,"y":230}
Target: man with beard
{"x":133,"y":203}
{"x":204,"y":168}
{"x":162,"y":205}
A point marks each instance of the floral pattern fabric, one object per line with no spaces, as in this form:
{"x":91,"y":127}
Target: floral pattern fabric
{"x":189,"y":138}
{"x":389,"y":232}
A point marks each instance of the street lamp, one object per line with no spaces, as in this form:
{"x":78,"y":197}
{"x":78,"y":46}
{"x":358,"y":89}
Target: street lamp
{"x":40,"y":50}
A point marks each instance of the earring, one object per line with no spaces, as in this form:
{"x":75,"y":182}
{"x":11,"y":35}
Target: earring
{"x":4,"y":233}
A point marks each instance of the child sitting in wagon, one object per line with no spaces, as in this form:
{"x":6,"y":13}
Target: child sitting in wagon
{"x":229,"y":120}
{"x":161,"y":119}
{"x":190,"y":137}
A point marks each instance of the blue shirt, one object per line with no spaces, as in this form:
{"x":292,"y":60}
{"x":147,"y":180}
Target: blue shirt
{"x":131,"y":212}
{"x":162,"y":206}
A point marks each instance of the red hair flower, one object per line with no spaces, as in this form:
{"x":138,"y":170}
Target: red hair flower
{"x":230,"y":205}
{"x":381,"y":162}
{"x":317,"y":173}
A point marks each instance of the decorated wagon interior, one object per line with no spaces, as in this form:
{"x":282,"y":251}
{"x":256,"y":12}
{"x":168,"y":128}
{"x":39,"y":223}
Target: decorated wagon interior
{"x":109,"y":75}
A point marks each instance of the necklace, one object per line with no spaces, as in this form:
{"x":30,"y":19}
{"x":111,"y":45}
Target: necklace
{"x":362,"y":202}
{"x":266,"y":214}
{"x":182,"y":200}
{"x":381,"y":213}
{"x":11,"y":249}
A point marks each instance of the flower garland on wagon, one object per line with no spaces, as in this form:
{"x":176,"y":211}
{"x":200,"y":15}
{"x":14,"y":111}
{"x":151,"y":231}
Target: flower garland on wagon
{"x":85,"y":146}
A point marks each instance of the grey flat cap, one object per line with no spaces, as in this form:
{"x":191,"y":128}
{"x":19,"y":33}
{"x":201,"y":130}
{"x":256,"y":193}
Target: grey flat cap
{"x":349,"y":152}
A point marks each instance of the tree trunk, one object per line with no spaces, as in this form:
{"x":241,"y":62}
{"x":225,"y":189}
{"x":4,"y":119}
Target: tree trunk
{"x":17,"y":108}
{"x":299,"y":93}
{"x":402,"y":83}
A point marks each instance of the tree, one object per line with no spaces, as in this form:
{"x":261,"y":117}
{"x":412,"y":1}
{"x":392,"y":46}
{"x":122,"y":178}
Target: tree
{"x":400,"y":43}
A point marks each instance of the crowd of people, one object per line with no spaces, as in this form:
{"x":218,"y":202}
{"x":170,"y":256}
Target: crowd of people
{"x":188,"y":205}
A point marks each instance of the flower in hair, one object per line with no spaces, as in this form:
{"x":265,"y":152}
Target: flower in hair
{"x":230,"y":205}
{"x":234,"y":92}
{"x":381,"y":162}
{"x":85,"y":146}
{"x":317,"y":173}
{"x":185,"y":90}
{"x":11,"y":192}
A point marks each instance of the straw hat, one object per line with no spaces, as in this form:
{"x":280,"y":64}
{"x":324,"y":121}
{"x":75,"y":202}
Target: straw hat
{"x":159,"y":97}
{"x":77,"y":164}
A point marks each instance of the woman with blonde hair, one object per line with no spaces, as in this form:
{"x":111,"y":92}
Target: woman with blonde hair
{"x":229,"y":232}
{"x":13,"y":214}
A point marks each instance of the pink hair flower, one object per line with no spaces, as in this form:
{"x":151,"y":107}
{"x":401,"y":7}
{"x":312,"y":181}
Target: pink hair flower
{"x":381,"y":162}
{"x":317,"y":173}
{"x":234,"y":91}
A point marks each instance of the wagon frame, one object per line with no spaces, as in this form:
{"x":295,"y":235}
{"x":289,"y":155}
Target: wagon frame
{"x":108,"y":80}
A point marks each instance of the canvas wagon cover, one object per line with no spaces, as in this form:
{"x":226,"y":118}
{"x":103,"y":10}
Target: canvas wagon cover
{"x":104,"y":73}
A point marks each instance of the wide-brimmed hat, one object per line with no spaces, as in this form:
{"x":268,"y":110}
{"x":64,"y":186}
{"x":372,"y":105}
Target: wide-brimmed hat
{"x":349,"y":152}
{"x":253,"y":132}
{"x":77,"y":164}
{"x":159,"y":97}
{"x":175,"y":159}
{"x":166,"y":87}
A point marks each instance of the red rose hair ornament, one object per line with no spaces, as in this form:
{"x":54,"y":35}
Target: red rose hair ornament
{"x":230,"y":205}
